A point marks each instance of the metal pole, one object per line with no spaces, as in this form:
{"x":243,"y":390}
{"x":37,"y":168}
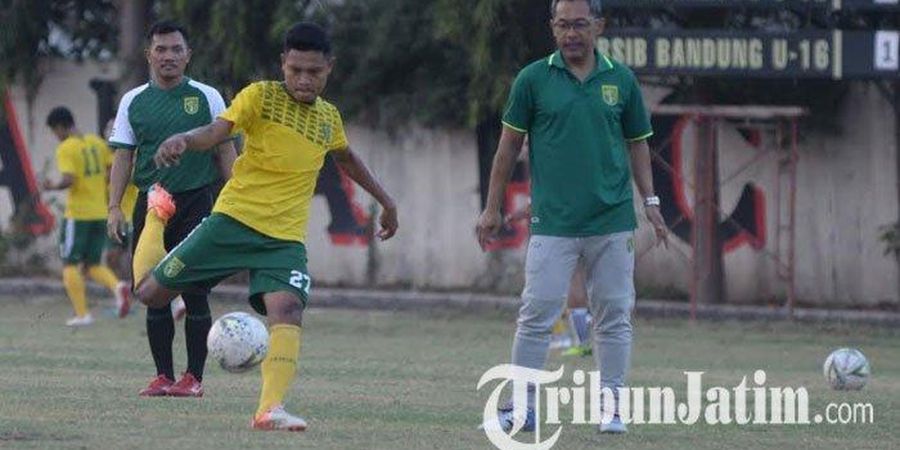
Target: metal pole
{"x":792,"y":228}
{"x":707,"y":248}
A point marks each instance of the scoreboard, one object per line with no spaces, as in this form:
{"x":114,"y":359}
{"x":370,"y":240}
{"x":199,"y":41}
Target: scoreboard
{"x":833,"y":54}
{"x":834,"y":5}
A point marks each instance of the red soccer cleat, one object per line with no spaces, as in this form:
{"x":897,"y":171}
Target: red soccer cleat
{"x":187,"y":386}
{"x":159,"y":387}
{"x":160,"y":202}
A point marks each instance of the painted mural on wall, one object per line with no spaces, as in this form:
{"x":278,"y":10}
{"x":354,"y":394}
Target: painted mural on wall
{"x":17,"y":176}
{"x":745,"y":225}
{"x":349,"y":224}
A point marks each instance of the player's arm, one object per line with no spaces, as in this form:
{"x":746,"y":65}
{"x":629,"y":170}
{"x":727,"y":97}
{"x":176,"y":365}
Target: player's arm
{"x":64,"y":183}
{"x":641,"y":168}
{"x":225,"y":156}
{"x":643,"y":178}
{"x":358,"y":172}
{"x":119,"y":175}
{"x":202,"y":138}
{"x":67,"y":166}
{"x":504,"y":160}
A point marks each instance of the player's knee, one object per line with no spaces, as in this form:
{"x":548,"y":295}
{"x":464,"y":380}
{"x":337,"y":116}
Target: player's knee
{"x":283,"y":308}
{"x":151,"y":293}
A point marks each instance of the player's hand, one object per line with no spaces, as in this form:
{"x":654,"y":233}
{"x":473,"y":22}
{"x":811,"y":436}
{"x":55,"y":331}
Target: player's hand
{"x":659,"y":225}
{"x":115,"y":224}
{"x":170,"y":151}
{"x":521,"y":214}
{"x":488,"y":227}
{"x":48,"y":185}
{"x":388,"y":222}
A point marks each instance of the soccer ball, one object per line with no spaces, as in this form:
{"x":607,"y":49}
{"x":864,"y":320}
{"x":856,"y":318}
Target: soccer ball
{"x":846,"y":369}
{"x":238,"y":341}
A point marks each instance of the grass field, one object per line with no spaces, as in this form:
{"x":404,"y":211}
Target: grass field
{"x":401,"y":380}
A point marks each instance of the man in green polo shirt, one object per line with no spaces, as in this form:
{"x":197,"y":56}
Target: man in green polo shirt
{"x":588,"y":129}
{"x":168,"y":104}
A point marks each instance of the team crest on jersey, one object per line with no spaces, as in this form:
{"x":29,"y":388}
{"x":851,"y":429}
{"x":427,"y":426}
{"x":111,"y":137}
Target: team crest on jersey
{"x":325,"y":131}
{"x":173,"y":267}
{"x":610,"y":94}
{"x":191,"y":105}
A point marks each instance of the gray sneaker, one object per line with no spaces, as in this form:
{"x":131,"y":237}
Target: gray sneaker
{"x":615,"y":426}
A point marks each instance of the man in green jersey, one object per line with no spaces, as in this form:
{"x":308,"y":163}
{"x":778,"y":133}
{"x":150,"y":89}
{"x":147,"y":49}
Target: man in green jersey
{"x":587,"y":127}
{"x":168,"y":104}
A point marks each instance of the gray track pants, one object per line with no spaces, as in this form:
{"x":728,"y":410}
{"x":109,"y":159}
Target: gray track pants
{"x":609,"y":267}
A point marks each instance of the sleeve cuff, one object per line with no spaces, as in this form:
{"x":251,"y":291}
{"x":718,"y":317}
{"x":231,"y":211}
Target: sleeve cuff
{"x":640,"y":138}
{"x":511,"y":126}
{"x":121,"y":145}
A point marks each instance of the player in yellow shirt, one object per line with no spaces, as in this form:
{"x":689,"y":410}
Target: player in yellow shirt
{"x":259,"y":220}
{"x":83,"y":159}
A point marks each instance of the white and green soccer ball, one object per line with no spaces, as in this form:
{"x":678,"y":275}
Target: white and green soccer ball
{"x":846,"y":369}
{"x":238,"y":341}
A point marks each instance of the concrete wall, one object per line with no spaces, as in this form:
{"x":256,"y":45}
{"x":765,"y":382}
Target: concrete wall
{"x":846,"y":190}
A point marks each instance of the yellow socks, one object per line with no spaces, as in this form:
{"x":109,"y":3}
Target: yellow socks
{"x":104,"y":276}
{"x":280,"y":365}
{"x":150,"y":248}
{"x":560,"y":326}
{"x":74,"y":284}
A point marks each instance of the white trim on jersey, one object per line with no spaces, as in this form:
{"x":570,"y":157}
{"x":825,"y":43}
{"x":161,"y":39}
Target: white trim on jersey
{"x":213,"y":97}
{"x":122,"y":134}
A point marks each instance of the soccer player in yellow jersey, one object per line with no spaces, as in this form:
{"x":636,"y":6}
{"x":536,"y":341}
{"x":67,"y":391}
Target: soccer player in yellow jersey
{"x":82,"y":159}
{"x":259,"y":220}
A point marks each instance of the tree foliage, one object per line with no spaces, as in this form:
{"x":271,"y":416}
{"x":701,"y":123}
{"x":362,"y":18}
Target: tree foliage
{"x":35,"y":29}
{"x":392,"y":67}
{"x":235,"y":41}
{"x":499,"y":37}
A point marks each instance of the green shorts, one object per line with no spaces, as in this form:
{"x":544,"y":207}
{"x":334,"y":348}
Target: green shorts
{"x":82,"y":241}
{"x":221,"y":246}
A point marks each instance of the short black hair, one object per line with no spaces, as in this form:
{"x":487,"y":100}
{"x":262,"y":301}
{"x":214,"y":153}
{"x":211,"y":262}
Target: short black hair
{"x":60,"y":116}
{"x":307,"y":36}
{"x":166,"y":27}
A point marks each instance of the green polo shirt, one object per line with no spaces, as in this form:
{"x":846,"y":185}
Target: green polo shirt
{"x":148,"y":115}
{"x":578,"y":134}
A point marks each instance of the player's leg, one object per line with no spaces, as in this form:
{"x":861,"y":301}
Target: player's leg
{"x":579,"y":317}
{"x":118,"y":255}
{"x":159,"y":323}
{"x":284,"y":313}
{"x":101,"y":273}
{"x":548,"y":268}
{"x":609,"y":262}
{"x":193,"y":207}
{"x":205,"y":257}
{"x":71,"y":250}
{"x":279,"y":288}
{"x":150,"y":248}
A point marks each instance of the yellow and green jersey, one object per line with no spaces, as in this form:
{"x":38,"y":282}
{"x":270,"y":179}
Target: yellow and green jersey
{"x":86,"y":158}
{"x":273,"y":180}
